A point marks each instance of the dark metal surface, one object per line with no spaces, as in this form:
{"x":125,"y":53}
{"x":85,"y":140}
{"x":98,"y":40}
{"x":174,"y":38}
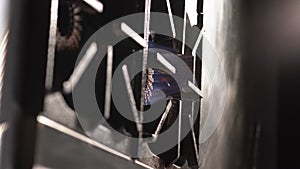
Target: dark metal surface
{"x":59,"y":150}
{"x":23,"y":88}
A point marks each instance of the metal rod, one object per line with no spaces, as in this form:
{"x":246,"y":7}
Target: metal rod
{"x":184,"y":29}
{"x":195,"y":88}
{"x":166,"y":63}
{"x":51,"y":44}
{"x":179,"y":126}
{"x":145,"y":52}
{"x":63,"y":129}
{"x":171,"y":18}
{"x":163,"y":118}
{"x":80,"y":68}
{"x":3,"y":52}
{"x":131,"y":99}
{"x":194,"y":138}
{"x":108,"y":81}
{"x":143,"y":164}
{"x":197,"y":42}
{"x":195,"y":55}
{"x":131,"y":33}
{"x":97,"y":5}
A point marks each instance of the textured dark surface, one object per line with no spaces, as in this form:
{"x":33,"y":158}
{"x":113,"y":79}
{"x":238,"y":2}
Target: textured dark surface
{"x":60,"y":151}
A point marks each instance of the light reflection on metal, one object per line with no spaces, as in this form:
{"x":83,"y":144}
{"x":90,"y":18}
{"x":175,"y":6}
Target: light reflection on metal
{"x":51,"y":44}
{"x":198,"y":42}
{"x":36,"y":166}
{"x":194,"y":54}
{"x":97,"y":5}
{"x":108,"y":81}
{"x":80,"y":68}
{"x":194,"y":139}
{"x":179,"y":126}
{"x":131,"y":33}
{"x":195,"y":88}
{"x":191,"y":6}
{"x":61,"y":128}
{"x":171,"y":18}
{"x":145,"y":54}
{"x":3,"y":128}
{"x":163,"y":118}
{"x":166,"y":63}
{"x":3,"y":46}
{"x":131,"y":99}
{"x":193,"y":110}
{"x":184,"y":30}
{"x":143,"y":165}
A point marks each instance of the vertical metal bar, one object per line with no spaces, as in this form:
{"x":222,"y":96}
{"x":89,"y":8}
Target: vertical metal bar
{"x":108,"y":82}
{"x":24,"y":80}
{"x":3,"y":52}
{"x":194,"y":53}
{"x":171,"y":18}
{"x":194,"y":138}
{"x":131,"y":99}
{"x":145,"y":52}
{"x":179,"y":126}
{"x":51,"y":44}
{"x":184,"y":29}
